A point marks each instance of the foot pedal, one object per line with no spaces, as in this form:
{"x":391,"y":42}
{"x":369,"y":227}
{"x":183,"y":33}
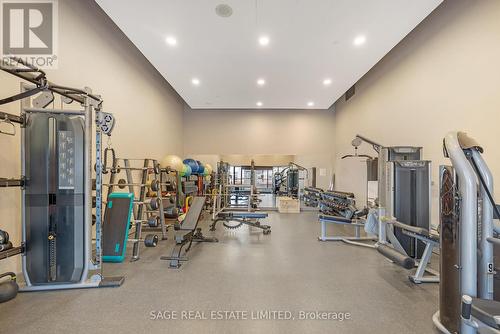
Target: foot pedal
{"x":111,"y":282}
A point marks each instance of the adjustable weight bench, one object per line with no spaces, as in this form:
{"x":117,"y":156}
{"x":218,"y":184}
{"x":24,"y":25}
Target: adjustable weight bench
{"x":187,"y":232}
{"x":241,"y":217}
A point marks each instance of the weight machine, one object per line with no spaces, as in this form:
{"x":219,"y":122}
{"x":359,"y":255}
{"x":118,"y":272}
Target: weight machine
{"x":56,"y":160}
{"x":399,"y":221}
{"x":287,"y":182}
{"x":469,"y":291}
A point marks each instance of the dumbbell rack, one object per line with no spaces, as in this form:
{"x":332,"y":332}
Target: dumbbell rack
{"x":141,"y":212}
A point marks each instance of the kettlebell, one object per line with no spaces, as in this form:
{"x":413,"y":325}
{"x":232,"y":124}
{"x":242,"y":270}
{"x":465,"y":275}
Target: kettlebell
{"x":8,"y":288}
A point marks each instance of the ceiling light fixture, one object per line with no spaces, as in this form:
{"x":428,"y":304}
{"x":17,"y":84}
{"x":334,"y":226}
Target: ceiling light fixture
{"x":259,"y":104}
{"x":195,"y":81}
{"x":172,"y":41}
{"x":359,"y":40}
{"x":264,"y":40}
{"x":327,"y":82}
{"x":261,"y":82}
{"x":224,"y":10}
{"x":310,"y":104}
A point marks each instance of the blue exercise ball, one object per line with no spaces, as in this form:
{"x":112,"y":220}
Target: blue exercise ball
{"x":201,"y":167}
{"x":193,"y":164}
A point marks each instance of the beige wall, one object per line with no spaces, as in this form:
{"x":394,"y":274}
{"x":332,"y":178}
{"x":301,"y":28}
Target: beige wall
{"x":443,"y":76}
{"x":252,"y":132}
{"x":94,"y":52}
{"x":306,"y":134}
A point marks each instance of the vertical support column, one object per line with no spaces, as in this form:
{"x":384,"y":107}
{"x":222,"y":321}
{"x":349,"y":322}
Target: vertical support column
{"x":130,"y":181}
{"x":140,"y":211}
{"x":161,"y":212}
{"x":98,"y":188}
{"x":88,"y":192}
{"x":468,"y":220}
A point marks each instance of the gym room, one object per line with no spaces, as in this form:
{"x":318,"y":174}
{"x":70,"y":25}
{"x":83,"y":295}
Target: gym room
{"x":250,"y":166}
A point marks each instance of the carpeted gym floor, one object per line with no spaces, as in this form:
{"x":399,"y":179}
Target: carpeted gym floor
{"x":242,"y":276}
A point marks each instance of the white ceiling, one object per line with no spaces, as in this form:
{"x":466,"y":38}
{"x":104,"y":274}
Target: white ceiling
{"x":310,"y":40}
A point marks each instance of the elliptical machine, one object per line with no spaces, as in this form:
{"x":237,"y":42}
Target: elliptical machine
{"x":466,"y":291}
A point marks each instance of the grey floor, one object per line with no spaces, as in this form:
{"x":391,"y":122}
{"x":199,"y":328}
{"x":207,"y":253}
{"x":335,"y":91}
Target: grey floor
{"x":288,"y":270}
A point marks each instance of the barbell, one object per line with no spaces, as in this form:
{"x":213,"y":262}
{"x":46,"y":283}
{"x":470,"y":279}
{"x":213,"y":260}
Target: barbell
{"x":155,"y":169}
{"x":122,"y":183}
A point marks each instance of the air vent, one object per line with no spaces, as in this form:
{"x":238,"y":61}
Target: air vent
{"x":223,"y":10}
{"x":350,"y":92}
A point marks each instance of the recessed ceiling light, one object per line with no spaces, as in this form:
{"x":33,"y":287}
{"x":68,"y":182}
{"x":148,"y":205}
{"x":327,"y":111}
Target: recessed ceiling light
{"x":359,"y":40}
{"x":259,"y":104}
{"x":223,"y":10}
{"x":327,"y":82}
{"x":195,"y":81}
{"x":310,"y":104}
{"x":264,"y":40}
{"x":261,"y":82}
{"x":172,"y":41}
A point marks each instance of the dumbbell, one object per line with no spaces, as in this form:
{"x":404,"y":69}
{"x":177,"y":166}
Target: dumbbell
{"x":171,"y":212}
{"x":4,"y":241}
{"x":152,"y":204}
{"x":151,"y":240}
{"x":154,"y":221}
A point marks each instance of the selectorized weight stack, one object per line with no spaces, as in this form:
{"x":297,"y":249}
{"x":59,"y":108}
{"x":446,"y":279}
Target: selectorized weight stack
{"x":56,"y":155}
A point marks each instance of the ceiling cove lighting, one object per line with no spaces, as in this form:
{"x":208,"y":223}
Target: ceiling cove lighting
{"x":195,"y":81}
{"x":359,"y":40}
{"x":259,"y":104}
{"x":264,"y":40}
{"x":310,"y":104}
{"x":170,"y":40}
{"x":327,"y":82}
{"x":261,"y":82}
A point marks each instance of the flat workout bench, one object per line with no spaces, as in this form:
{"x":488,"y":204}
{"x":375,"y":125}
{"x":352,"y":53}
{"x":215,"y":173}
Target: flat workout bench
{"x":187,"y":232}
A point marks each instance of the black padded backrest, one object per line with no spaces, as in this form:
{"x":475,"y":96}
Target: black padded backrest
{"x":193,"y":215}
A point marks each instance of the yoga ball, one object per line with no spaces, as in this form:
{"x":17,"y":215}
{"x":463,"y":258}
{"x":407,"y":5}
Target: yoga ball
{"x":201,"y":168}
{"x":208,"y":169}
{"x":186,"y":170}
{"x":193,"y":164}
{"x":172,"y":161}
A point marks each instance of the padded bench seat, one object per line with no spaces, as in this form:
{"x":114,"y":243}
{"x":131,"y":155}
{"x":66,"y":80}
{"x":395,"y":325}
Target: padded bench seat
{"x":193,"y":215}
{"x":241,"y":215}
